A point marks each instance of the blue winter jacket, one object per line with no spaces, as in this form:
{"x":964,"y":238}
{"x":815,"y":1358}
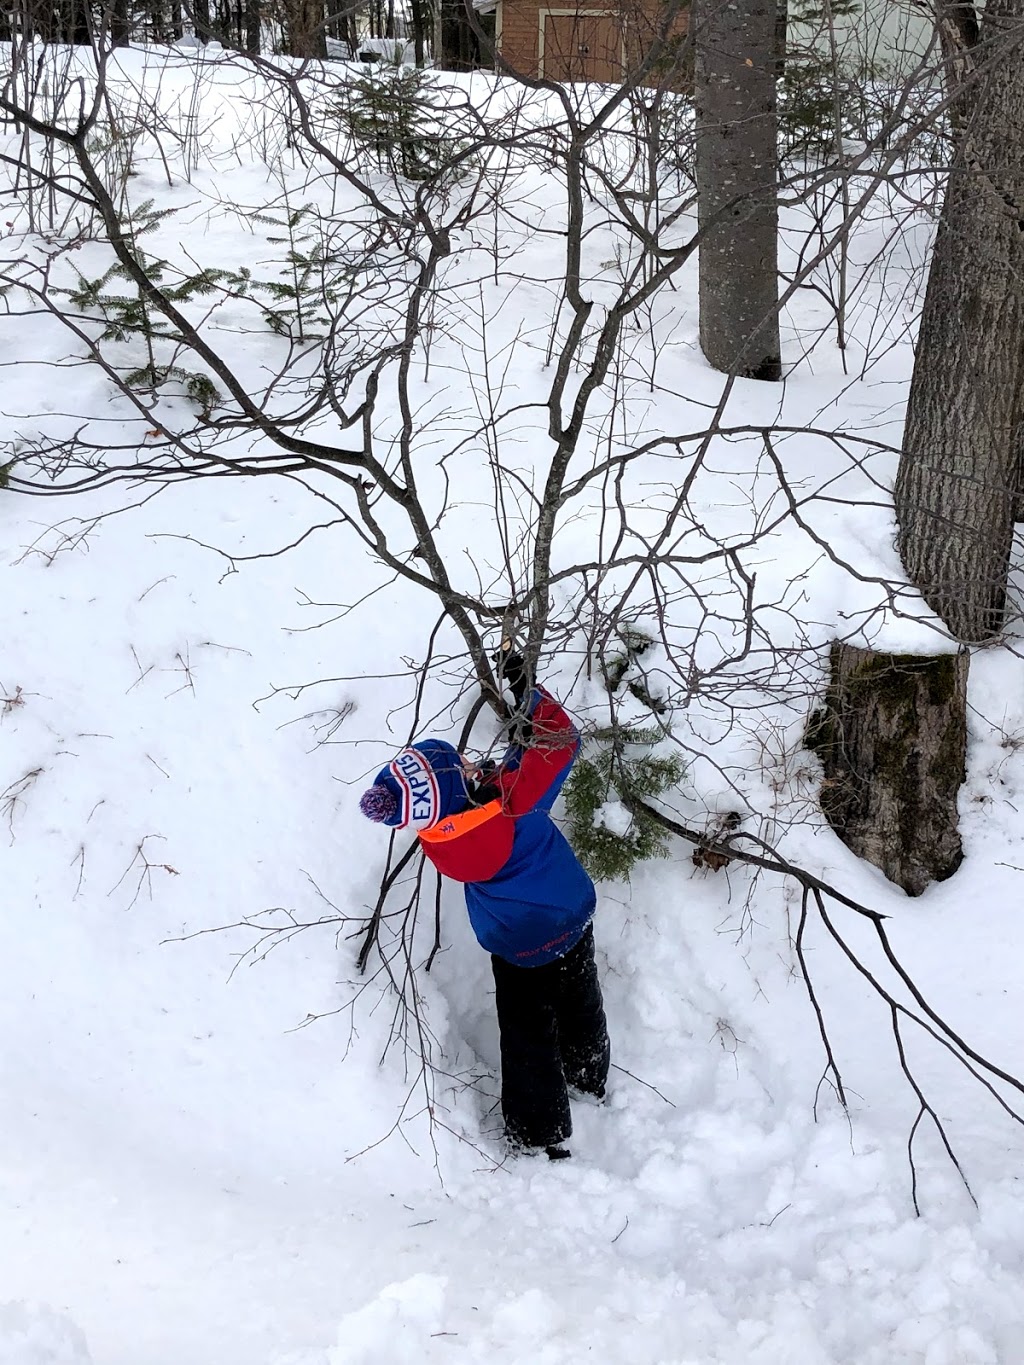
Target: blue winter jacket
{"x":528,"y":898}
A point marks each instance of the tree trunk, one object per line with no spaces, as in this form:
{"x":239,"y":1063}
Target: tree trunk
{"x":781,"y":37}
{"x":201,"y":20}
{"x":1018,"y":468}
{"x":307,"y":32}
{"x":416,"y":12}
{"x":957,"y":24}
{"x":893,"y":734}
{"x":460,"y":50}
{"x":955,"y":491}
{"x":81,"y":23}
{"x":120,"y":23}
{"x":737,"y":201}
{"x":893,"y":740}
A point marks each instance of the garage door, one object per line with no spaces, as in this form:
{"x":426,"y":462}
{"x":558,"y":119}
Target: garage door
{"x":580,"y":47}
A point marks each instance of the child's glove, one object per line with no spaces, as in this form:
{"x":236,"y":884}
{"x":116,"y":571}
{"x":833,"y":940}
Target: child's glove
{"x":482,"y":785}
{"x":512,"y":671}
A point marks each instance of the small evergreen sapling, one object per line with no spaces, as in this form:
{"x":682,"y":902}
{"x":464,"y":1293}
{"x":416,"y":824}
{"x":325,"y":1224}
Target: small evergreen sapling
{"x":390,"y":114}
{"x":619,"y":766}
{"x":301,"y":303}
{"x":617,"y":763}
{"x":128,"y":317}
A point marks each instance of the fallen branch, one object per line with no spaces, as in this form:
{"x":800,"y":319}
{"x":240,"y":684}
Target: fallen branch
{"x":815,"y":890}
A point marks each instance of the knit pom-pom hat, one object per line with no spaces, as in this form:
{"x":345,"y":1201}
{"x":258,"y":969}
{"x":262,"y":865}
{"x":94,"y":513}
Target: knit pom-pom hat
{"x":421,"y":785}
{"x":378,"y":803}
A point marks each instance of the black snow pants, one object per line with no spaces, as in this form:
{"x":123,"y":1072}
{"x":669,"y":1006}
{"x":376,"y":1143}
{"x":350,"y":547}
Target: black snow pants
{"x":553,"y":1035}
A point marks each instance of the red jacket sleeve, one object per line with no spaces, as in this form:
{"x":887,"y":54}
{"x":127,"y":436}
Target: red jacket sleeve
{"x":553,"y":744}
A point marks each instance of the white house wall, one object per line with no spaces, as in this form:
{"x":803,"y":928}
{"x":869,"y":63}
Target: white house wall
{"x":893,"y":35}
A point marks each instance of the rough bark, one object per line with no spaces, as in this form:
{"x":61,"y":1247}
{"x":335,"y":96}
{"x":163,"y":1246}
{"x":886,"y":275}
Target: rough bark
{"x":955,"y":491}
{"x":737,"y":185}
{"x":957,"y":25}
{"x":1017,"y":510}
{"x":305,"y":25}
{"x":892,"y":739}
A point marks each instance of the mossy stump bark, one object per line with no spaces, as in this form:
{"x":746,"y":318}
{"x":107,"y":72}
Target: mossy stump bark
{"x":892,"y":738}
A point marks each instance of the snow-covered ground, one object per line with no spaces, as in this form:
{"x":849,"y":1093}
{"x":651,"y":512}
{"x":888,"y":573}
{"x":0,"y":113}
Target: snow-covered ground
{"x":211,"y":1154}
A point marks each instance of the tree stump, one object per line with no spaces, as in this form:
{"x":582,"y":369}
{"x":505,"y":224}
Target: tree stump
{"x":892,"y":738}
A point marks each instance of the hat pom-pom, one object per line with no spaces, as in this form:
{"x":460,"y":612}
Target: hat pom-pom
{"x":377,"y":803}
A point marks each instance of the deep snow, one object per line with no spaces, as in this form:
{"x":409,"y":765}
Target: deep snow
{"x":188,"y":1174}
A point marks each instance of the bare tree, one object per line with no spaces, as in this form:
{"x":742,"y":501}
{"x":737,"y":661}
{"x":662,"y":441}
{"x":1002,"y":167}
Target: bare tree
{"x":404,"y":211}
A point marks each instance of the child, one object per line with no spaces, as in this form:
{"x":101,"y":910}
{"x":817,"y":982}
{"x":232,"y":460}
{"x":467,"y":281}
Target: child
{"x":530,"y":904}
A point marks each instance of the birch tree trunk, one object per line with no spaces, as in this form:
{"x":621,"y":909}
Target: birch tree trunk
{"x":737,"y":182}
{"x":955,"y":492}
